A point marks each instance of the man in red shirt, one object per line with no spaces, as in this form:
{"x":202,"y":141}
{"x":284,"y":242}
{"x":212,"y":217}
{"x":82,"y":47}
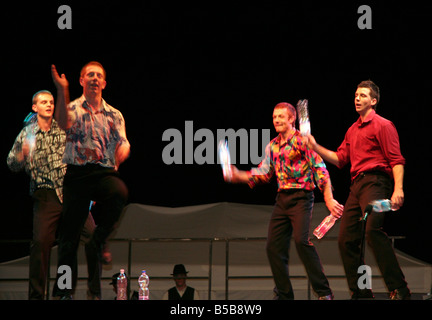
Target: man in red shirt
{"x":372,"y":147}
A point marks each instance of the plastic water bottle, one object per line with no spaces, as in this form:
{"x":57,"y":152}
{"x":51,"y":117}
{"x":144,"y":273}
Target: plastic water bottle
{"x":305,"y":127}
{"x":225,"y":160}
{"x":324,"y":226}
{"x":143,"y":282}
{"x":122,"y":286}
{"x":382,"y":205}
{"x":31,"y":140}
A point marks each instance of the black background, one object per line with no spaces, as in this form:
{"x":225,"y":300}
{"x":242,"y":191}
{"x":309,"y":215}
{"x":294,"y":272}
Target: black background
{"x":224,"y":65}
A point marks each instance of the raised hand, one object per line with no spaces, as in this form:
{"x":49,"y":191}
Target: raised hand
{"x":61,"y":113}
{"x":59,"y":81}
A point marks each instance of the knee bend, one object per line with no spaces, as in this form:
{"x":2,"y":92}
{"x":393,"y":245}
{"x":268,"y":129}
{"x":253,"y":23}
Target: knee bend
{"x":345,"y":244}
{"x":302,"y":242}
{"x":375,"y":235}
{"x":122,"y":192}
{"x":123,"y":195}
{"x":42,"y":244}
{"x":118,"y":194}
{"x":272,"y":250}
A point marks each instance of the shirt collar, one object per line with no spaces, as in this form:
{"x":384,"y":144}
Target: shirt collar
{"x":34,"y":127}
{"x":85,"y":105}
{"x":290,"y":136}
{"x":369,"y":118}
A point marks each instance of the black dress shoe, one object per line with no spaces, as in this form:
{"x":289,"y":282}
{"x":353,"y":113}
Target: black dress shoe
{"x":401,"y":294}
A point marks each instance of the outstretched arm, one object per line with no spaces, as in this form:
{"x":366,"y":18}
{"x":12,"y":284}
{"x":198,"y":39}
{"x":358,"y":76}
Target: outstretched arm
{"x":239,"y":176}
{"x":261,"y":174}
{"x":327,"y":155}
{"x":61,"y":113}
{"x":322,"y":178}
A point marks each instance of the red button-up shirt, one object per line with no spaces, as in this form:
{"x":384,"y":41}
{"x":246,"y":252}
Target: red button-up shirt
{"x":372,"y":145}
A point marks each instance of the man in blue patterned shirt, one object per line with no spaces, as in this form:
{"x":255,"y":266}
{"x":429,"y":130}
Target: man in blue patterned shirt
{"x":96,"y":145}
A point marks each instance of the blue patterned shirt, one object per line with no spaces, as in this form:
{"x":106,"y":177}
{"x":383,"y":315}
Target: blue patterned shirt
{"x":94,"y":136}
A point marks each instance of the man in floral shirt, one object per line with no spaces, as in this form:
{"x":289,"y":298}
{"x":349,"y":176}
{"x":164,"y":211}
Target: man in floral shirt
{"x":38,"y":149}
{"x":96,"y":145}
{"x":296,"y":167}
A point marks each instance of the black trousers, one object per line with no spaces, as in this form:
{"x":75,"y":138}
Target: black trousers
{"x":291,"y":217}
{"x":46,"y":215}
{"x":81,"y":185}
{"x":365,"y":188}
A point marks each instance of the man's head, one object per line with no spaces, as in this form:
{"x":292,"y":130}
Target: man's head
{"x":367,"y":96}
{"x":284,"y":117}
{"x":180,"y":275}
{"x":43,"y":104}
{"x":93,"y":78}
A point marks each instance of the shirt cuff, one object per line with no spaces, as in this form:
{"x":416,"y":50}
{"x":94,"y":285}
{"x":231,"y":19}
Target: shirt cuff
{"x":251,"y":181}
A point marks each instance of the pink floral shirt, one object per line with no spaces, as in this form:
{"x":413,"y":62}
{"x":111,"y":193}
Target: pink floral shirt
{"x":295,"y":166}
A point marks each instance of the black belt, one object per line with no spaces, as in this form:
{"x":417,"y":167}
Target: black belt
{"x":361,"y":175}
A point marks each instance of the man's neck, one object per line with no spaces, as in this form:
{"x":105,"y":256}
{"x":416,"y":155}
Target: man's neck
{"x":286,"y":134}
{"x":365,"y":114}
{"x":44,"y":123}
{"x":93,"y":100}
{"x":181,"y":288}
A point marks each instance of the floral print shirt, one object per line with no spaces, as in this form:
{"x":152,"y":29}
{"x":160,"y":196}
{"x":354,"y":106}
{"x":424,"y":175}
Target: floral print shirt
{"x":44,"y":164}
{"x":93,"y":136}
{"x":293,"y":163}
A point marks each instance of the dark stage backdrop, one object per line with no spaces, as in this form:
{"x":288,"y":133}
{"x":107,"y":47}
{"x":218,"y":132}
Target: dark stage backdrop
{"x":221,"y":65}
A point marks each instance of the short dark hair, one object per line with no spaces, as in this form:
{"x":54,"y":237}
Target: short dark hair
{"x":374,"y":90}
{"x":37,"y":94}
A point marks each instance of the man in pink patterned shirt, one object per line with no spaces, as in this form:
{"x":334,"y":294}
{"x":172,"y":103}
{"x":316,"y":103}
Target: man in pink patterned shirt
{"x":297,"y":169}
